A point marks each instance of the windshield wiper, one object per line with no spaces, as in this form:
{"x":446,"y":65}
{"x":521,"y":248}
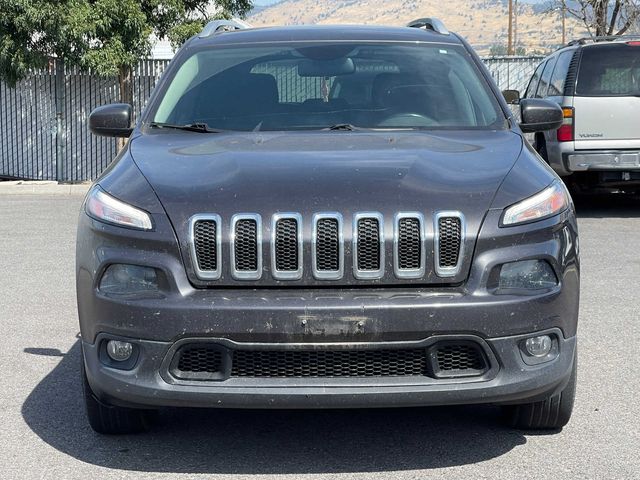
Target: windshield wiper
{"x":343,"y":126}
{"x":190,"y":127}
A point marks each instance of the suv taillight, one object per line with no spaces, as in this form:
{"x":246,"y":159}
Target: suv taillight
{"x":565,"y":132}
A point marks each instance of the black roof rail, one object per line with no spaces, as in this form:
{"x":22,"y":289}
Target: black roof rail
{"x":217,"y":26}
{"x":604,"y":38}
{"x":430,"y":24}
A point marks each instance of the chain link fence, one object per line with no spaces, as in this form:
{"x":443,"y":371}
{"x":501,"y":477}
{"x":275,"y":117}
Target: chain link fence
{"x":43,"y":121}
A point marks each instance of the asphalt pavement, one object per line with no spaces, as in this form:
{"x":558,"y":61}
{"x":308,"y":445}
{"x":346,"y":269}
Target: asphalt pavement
{"x":44,"y":433}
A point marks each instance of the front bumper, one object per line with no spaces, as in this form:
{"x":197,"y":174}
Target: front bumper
{"x":282,"y":317}
{"x":508,"y":380}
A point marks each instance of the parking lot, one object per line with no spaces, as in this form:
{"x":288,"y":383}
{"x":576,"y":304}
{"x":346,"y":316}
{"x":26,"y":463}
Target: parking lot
{"x":44,"y":433}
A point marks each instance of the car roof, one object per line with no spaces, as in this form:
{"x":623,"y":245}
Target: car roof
{"x":320,"y":33}
{"x":590,"y":44}
{"x":600,"y":41}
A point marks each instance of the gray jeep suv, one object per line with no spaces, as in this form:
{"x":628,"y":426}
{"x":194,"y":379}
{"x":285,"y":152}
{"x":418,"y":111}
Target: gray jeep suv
{"x":597,"y":84}
{"x":327,"y":217}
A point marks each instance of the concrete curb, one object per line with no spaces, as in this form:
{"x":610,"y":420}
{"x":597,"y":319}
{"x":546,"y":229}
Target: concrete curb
{"x":20,"y":187}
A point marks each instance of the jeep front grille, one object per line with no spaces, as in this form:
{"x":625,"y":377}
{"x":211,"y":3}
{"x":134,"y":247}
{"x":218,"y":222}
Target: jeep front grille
{"x":411,"y":250}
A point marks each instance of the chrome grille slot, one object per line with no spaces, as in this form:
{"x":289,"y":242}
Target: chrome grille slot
{"x":286,"y":246}
{"x":449,"y":243}
{"x":246,"y":247}
{"x":204,"y":239}
{"x":409,"y":251}
{"x":368,"y":246}
{"x":328,"y":248}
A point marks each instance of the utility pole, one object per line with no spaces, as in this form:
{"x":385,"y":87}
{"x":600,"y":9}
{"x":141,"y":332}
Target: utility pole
{"x":564,"y":22}
{"x":510,"y":39}
{"x":515,"y":26}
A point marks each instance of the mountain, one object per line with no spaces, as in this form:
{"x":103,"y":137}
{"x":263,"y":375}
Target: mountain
{"x":483,"y":22}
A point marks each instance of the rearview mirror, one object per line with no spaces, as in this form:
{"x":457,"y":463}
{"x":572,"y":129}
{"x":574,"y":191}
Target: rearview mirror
{"x":112,"y":120}
{"x":326,"y":68}
{"x":539,"y":115}
{"x":512,"y":97}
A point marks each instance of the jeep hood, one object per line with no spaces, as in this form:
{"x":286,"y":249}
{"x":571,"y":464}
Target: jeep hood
{"x":309,"y":172}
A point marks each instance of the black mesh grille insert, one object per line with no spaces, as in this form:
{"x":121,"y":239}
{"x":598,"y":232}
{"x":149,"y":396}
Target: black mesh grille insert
{"x":329,"y":363}
{"x":199,"y":359}
{"x":459,"y":358}
{"x":409,"y":243}
{"x":449,"y":234}
{"x":327,"y":245}
{"x":245,"y":245}
{"x":287,"y":245}
{"x":449,"y":358}
{"x":204,"y":234}
{"x":368,"y":244}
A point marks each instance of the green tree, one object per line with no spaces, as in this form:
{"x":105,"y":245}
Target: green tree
{"x":120,"y":31}
{"x":32,"y":31}
{"x":107,"y":36}
{"x":497,"y":49}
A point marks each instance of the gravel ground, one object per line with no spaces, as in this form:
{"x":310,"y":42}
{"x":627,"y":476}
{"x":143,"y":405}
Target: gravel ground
{"x":44,"y":433}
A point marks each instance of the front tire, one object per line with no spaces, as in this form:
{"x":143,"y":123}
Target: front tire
{"x":110,"y":419}
{"x":552,"y":413}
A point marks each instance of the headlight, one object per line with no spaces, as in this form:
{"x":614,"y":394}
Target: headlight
{"x":105,"y":208}
{"x":551,"y":201}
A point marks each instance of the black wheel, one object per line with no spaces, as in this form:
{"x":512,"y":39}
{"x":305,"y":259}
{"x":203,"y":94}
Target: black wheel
{"x":550,"y":414}
{"x":110,"y":419}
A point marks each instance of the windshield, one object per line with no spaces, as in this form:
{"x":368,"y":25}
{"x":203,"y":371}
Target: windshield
{"x":316,"y":86}
{"x":609,"y":71}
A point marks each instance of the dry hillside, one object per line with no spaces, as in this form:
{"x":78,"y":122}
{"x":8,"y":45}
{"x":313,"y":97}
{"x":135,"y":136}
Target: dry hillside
{"x":482,"y":22}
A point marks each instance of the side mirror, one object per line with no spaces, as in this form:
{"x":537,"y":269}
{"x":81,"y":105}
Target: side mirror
{"x":539,"y":115}
{"x":512,"y":97}
{"x":111,"y":120}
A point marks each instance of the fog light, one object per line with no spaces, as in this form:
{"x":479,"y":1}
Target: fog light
{"x":538,"y":346}
{"x":123,"y":279}
{"x":120,"y":351}
{"x":527,"y":275}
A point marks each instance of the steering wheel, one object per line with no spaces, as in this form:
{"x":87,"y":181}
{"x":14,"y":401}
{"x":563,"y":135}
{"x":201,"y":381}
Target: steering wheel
{"x":408,"y":120}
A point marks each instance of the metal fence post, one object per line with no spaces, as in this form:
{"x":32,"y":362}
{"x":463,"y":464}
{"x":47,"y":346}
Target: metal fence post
{"x":60,"y":133}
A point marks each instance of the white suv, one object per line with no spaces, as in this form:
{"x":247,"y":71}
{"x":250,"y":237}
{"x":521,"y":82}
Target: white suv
{"x":597,"y":83}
